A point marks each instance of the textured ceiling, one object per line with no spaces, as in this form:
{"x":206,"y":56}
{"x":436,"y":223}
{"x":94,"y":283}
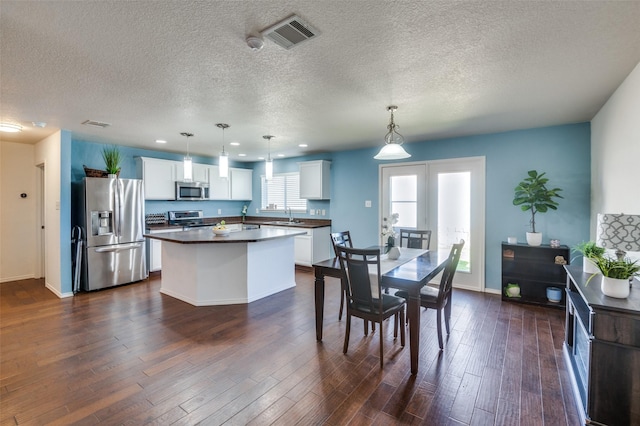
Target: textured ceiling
{"x":153,"y":69}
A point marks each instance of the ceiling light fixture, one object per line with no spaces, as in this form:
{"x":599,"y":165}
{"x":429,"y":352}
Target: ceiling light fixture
{"x":188,"y":164}
{"x":392,"y":149}
{"x":10,"y":128}
{"x":255,"y":43}
{"x":160,"y":141}
{"x":268,"y":163}
{"x":223,"y":160}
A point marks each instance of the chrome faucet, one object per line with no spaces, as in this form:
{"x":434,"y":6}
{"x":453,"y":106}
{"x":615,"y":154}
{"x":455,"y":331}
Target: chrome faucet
{"x":290,"y":214}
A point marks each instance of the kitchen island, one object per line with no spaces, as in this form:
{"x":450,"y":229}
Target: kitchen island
{"x":203,"y":269}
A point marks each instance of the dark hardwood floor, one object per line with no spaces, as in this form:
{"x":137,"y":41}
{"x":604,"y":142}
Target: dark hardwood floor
{"x":131,"y":356}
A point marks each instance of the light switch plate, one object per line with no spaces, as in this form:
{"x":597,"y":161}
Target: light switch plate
{"x":367,"y":203}
{"x":323,"y":212}
{"x":219,"y":211}
{"x":312,"y":212}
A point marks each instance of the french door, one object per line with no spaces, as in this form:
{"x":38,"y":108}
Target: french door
{"x":447,"y":197}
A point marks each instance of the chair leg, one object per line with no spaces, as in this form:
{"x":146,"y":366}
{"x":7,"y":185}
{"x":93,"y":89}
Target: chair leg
{"x":342,"y":297}
{"x":346,"y":334}
{"x":381,"y":336}
{"x":395,"y":326}
{"x":447,"y":315}
{"x":366,"y":327}
{"x":402,"y":338}
{"x":439,"y":315}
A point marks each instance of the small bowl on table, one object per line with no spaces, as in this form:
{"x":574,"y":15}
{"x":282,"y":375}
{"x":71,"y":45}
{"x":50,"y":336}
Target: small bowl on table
{"x":221,"y":232}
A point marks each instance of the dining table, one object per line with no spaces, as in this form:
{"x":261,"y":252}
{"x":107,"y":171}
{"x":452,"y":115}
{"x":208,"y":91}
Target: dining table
{"x":410,"y":275}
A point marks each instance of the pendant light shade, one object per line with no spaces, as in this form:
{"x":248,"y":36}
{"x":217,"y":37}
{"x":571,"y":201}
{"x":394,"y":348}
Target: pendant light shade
{"x":392,"y":150}
{"x":268,"y":164}
{"x":223,"y":160}
{"x":187,"y":163}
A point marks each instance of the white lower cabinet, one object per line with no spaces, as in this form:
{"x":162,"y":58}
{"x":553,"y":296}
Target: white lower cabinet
{"x":310,"y":248}
{"x":155,"y":250}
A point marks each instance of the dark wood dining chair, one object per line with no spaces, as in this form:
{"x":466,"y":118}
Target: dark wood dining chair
{"x":415,"y":238}
{"x":365,"y":302}
{"x":341,"y":239}
{"x":440,"y":298}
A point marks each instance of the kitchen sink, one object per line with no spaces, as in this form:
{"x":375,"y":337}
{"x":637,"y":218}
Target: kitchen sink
{"x":285,"y":222}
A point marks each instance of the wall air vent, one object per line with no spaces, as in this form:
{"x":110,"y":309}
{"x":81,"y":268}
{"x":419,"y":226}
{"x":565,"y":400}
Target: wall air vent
{"x":290,"y":32}
{"x":95,"y":123}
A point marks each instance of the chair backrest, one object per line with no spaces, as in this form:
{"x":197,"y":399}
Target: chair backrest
{"x":446,"y":282}
{"x":357,"y":266}
{"x":415,"y":238}
{"x":341,"y":239}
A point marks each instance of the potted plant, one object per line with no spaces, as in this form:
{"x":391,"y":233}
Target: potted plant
{"x":533,"y":195}
{"x":112,"y":158}
{"x":590,"y":252}
{"x":616,"y":274}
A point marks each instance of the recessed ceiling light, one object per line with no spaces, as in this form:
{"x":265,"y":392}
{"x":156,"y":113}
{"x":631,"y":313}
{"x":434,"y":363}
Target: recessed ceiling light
{"x":242,"y":155}
{"x":160,"y":141}
{"x":280,"y":155}
{"x":10,"y":128}
{"x":260,"y":158}
{"x":235,"y":143}
{"x":40,"y":124}
{"x":303,"y":145}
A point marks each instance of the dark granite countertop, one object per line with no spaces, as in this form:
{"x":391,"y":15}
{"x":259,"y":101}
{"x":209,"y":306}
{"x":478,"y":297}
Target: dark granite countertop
{"x":205,"y":235}
{"x":253,"y":220}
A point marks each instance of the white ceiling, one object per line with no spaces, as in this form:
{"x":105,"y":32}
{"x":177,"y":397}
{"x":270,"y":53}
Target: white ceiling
{"x":153,"y":69}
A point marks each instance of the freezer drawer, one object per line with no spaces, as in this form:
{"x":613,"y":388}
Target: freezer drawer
{"x":117,"y":264}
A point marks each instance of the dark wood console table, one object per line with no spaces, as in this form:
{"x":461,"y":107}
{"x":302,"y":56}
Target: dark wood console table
{"x":602,"y":348}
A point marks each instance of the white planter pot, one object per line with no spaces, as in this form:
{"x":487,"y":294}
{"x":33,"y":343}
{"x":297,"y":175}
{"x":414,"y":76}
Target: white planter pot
{"x":614,"y":287}
{"x":589,"y":266}
{"x":534,"y":238}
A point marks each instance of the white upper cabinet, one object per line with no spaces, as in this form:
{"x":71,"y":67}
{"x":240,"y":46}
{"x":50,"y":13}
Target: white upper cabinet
{"x":241,"y":184}
{"x":219,"y":188}
{"x":200,"y":172}
{"x":159,"y":178}
{"x":314,"y":180}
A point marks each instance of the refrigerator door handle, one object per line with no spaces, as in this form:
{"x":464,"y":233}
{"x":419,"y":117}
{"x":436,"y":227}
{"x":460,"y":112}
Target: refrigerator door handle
{"x":119,"y":209}
{"x":118,"y":248}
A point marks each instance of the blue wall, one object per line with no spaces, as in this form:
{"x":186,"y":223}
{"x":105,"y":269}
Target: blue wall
{"x":563,"y":152}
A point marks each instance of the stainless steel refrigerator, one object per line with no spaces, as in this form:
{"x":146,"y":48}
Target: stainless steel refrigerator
{"x":112,"y":220}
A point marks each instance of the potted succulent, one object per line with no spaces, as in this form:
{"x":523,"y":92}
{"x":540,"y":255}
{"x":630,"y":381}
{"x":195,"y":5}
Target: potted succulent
{"x":590,"y":253}
{"x":112,"y":158}
{"x":616,"y":274}
{"x":532,"y":195}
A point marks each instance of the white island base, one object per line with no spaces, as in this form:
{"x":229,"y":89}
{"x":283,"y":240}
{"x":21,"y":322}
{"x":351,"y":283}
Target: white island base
{"x":229,"y":273}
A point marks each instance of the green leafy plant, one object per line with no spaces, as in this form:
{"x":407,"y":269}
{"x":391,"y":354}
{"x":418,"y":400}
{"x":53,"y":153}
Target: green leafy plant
{"x":589,"y":249}
{"x":617,"y":268}
{"x":112,"y":158}
{"x":533,"y":195}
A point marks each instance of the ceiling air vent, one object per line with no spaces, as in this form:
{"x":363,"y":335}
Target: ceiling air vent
{"x":290,"y":32}
{"x":95,"y":123}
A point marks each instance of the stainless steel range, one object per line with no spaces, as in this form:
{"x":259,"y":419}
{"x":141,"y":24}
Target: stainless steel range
{"x":187,"y":219}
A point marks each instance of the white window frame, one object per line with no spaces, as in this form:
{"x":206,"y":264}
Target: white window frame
{"x":299,"y":205}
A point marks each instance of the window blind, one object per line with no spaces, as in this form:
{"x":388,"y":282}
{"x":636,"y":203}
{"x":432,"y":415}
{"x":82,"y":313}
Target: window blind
{"x":282,"y":192}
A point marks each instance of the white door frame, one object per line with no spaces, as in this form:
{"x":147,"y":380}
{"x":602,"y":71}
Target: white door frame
{"x":477,"y":166}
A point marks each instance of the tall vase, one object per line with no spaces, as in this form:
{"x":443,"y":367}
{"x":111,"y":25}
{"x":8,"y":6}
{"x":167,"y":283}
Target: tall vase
{"x":393,"y":253}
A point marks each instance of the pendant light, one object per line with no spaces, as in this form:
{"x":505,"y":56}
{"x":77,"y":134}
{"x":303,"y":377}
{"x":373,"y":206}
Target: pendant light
{"x":188,"y":164}
{"x":223,"y":160}
{"x":392,"y":149}
{"x":268,"y":164}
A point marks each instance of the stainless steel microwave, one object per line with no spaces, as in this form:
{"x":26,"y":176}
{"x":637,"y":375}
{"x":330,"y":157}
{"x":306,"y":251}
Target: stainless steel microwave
{"x":192,"y":191}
